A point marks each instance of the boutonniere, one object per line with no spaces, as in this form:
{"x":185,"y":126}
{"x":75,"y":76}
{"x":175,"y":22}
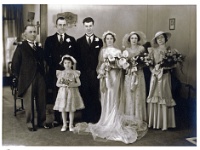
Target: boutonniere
{"x":70,"y":46}
{"x":96,"y":39}
{"x":68,"y":40}
{"x":97,"y":46}
{"x":39,"y":45}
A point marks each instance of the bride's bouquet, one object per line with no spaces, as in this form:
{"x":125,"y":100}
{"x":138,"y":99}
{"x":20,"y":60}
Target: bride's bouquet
{"x":110,"y":61}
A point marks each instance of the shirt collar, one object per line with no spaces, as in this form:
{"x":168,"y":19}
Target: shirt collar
{"x":31,"y":42}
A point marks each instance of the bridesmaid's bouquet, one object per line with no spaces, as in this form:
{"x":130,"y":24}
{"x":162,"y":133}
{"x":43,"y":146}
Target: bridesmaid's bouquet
{"x":171,"y":58}
{"x":123,"y":60}
{"x":143,"y":59}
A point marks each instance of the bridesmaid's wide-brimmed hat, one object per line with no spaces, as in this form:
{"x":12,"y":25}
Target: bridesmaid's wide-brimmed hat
{"x":168,"y":34}
{"x":126,"y":43}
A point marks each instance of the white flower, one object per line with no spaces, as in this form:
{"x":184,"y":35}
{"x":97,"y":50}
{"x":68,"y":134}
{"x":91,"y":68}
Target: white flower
{"x":96,"y":39}
{"x":111,"y":58}
{"x":68,"y":40}
{"x":97,"y":46}
{"x":125,"y":54}
{"x":126,"y":65}
{"x":39,"y":44}
{"x":122,"y":61}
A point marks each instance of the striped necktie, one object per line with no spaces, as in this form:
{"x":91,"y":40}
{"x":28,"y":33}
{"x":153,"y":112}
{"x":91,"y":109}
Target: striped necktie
{"x":34,"y":47}
{"x":61,"y":39}
{"x":89,"y":39}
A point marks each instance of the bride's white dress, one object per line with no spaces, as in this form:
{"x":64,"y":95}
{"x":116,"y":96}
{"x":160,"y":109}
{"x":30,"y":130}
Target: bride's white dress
{"x":113,"y":123}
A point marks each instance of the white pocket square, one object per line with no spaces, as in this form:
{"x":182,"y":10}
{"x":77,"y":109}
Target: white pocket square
{"x":70,"y":46}
{"x":97,"y":46}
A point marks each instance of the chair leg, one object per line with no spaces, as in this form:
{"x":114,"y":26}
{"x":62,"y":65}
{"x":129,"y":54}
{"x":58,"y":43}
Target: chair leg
{"x":15,"y":107}
{"x":22,"y":104}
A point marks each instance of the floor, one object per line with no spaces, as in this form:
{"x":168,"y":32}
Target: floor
{"x":15,"y":132}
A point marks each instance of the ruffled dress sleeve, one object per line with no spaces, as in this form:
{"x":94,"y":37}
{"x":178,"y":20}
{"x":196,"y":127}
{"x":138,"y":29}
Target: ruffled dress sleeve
{"x":77,"y":73}
{"x":58,"y":73}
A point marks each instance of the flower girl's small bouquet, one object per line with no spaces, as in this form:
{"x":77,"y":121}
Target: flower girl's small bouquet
{"x":65,"y":81}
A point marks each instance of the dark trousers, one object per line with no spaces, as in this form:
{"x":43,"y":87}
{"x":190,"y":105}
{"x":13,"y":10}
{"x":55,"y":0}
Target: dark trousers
{"x":36,"y":91}
{"x":52,"y":91}
{"x":90,"y":93}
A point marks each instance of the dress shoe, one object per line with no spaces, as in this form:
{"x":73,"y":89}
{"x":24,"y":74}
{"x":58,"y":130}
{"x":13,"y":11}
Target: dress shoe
{"x":64,"y":128}
{"x":31,"y":129}
{"x":55,"y":123}
{"x":46,"y":126}
{"x":71,"y":128}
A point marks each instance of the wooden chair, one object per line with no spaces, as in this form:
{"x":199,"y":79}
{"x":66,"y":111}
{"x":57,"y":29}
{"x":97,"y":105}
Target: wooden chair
{"x":15,"y":94}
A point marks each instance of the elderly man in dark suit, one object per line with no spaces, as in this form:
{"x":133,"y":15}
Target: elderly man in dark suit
{"x":55,"y":47}
{"x":28,"y":69}
{"x":88,"y":48}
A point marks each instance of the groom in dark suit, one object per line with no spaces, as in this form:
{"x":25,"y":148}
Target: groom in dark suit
{"x":55,"y":47}
{"x":88,"y":48}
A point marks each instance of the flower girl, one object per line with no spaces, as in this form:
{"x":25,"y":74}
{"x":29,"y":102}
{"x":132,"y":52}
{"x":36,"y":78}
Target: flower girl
{"x":68,"y":98}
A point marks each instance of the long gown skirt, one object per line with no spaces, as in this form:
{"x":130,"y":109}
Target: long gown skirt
{"x":136,"y":99}
{"x":113,"y":124}
{"x":161,"y":104}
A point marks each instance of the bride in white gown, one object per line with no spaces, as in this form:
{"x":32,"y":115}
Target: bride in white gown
{"x":113,"y":124}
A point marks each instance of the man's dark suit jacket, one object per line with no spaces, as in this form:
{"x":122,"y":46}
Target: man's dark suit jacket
{"x":25,"y":64}
{"x":87,"y":58}
{"x":54,"y":50}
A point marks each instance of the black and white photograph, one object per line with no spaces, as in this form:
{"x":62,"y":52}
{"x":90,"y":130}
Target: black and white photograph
{"x":105,"y":74}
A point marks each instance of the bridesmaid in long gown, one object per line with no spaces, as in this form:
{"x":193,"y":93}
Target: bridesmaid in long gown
{"x":134,"y":83}
{"x":160,"y":102}
{"x":113,"y":124}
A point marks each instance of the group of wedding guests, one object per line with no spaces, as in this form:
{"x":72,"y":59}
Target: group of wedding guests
{"x":111,"y":83}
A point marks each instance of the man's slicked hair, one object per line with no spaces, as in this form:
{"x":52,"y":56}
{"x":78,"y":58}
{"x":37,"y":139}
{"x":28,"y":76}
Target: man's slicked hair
{"x":88,"y":19}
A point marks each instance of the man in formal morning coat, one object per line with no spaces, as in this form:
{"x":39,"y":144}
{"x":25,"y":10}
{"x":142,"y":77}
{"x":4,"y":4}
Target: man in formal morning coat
{"x":28,"y":69}
{"x":88,"y":48}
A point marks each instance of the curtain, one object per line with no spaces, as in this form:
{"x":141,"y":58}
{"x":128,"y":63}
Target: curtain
{"x":12,"y":16}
